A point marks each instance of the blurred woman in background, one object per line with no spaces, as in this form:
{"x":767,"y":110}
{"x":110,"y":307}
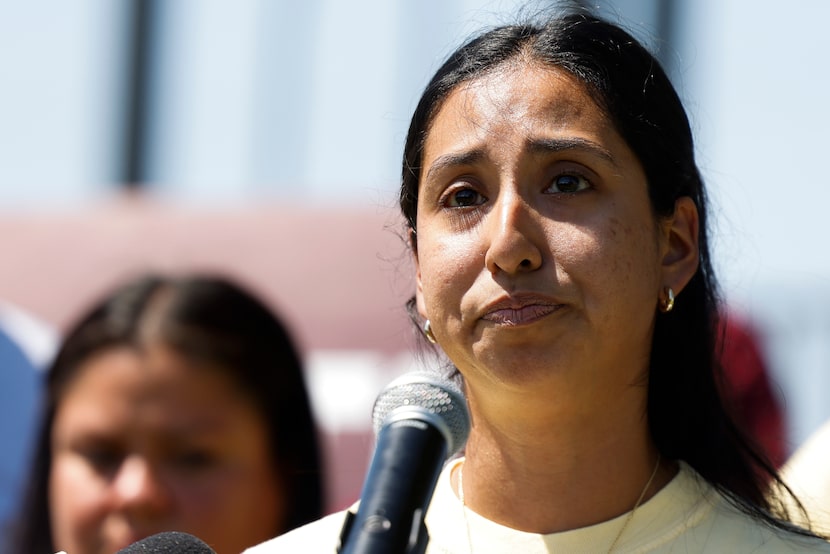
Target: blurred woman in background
{"x":173,"y":404}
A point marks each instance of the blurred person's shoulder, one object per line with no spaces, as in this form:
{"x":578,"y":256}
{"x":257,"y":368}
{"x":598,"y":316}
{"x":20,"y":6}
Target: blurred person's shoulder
{"x":807,"y":473}
{"x":37,"y":340}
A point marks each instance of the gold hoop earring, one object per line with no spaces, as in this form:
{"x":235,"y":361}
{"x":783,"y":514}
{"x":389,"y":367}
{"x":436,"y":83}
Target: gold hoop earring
{"x":668,"y":303}
{"x":428,"y":332}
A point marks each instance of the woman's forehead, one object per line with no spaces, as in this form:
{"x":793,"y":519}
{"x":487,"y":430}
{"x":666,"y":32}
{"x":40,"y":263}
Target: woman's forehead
{"x":528,"y":102}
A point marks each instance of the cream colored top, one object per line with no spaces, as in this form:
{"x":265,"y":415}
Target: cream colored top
{"x":686,"y":516}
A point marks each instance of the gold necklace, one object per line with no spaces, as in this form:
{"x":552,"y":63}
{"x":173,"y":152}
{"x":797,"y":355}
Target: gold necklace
{"x":619,"y":533}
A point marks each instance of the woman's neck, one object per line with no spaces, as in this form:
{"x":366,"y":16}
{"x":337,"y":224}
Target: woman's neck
{"x":547,"y":470}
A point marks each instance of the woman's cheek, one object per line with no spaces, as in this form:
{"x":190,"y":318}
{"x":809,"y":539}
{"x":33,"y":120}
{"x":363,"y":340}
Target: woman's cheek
{"x":447,"y":278}
{"x":77,"y":504}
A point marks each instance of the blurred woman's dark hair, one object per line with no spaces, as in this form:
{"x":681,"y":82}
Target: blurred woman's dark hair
{"x":205,"y":319}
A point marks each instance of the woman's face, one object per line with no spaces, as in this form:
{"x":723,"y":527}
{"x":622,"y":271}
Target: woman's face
{"x":153,"y":442}
{"x":539,"y":259}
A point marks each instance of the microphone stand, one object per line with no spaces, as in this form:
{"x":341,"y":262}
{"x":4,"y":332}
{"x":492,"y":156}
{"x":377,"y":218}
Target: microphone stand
{"x":397,"y":492}
{"x":418,"y":534}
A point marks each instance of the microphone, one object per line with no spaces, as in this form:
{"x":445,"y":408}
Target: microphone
{"x":169,"y":542}
{"x":420,"y":420}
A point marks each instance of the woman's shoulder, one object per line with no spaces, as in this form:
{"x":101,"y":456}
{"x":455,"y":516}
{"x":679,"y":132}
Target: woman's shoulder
{"x":728,"y":527}
{"x":690,"y":515}
{"x":738,"y":531}
{"x":318,"y":536}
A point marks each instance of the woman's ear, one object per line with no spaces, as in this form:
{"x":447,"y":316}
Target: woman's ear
{"x":419,"y":294}
{"x":419,"y":291}
{"x":681,"y":253}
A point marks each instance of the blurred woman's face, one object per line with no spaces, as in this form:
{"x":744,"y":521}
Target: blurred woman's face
{"x":538,"y":254}
{"x":153,"y":442}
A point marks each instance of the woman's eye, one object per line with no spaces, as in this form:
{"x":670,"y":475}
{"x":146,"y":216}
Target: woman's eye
{"x":463,"y":198}
{"x":102,"y":458}
{"x":194,"y":459}
{"x":568,"y":183}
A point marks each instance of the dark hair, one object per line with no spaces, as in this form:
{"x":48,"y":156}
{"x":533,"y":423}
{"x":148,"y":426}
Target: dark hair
{"x":686,"y":414}
{"x":203,"y":318}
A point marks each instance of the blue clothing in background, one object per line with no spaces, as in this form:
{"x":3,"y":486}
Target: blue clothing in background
{"x":19,"y":398}
{"x":20,"y":387}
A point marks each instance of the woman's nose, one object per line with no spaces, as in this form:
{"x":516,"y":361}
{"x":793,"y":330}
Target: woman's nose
{"x":514,"y":233}
{"x":139,"y":486}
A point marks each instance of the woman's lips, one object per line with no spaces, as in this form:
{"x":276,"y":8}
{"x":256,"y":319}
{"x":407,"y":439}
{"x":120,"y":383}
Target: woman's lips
{"x":521,"y":314}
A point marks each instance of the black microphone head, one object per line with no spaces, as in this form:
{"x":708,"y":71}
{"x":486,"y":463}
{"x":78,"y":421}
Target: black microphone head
{"x":169,"y":542}
{"x":425,"y":396}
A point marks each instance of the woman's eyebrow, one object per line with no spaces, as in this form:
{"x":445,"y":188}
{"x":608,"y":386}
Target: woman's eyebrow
{"x":453,"y":160}
{"x":537,"y":146}
{"x":554,"y":145}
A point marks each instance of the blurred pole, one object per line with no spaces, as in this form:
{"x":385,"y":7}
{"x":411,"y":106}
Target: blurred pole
{"x":140,"y":26}
{"x":666,"y":13}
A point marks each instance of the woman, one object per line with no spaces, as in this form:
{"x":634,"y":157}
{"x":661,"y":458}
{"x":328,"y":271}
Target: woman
{"x":558,"y":225}
{"x":174,"y":404}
